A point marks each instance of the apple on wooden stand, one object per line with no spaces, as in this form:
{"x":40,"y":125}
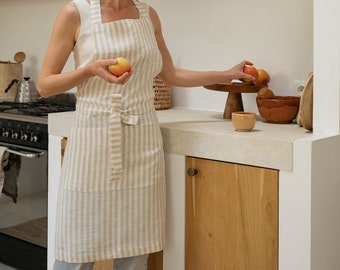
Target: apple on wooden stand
{"x":263,"y":77}
{"x":122,"y":66}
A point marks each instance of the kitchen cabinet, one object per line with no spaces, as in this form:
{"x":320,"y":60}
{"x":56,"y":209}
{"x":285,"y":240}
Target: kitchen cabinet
{"x":103,"y":265}
{"x":155,"y":261}
{"x":231,"y":216}
{"x":307,"y":202}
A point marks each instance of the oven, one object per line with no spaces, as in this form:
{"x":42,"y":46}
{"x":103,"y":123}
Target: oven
{"x":23,"y":202}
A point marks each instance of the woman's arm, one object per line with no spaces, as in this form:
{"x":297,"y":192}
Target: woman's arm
{"x":64,"y":35}
{"x":174,"y":76}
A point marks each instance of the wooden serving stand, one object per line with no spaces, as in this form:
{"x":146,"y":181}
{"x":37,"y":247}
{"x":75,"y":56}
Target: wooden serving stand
{"x":234,"y":101}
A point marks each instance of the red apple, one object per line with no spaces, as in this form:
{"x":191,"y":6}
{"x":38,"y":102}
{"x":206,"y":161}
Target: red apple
{"x":250,"y":70}
{"x":120,"y":67}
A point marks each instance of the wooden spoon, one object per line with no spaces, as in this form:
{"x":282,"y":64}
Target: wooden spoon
{"x":19,"y":57}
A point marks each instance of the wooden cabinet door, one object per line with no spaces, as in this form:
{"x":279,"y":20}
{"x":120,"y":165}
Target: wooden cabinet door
{"x":103,"y":265}
{"x":155,"y":261}
{"x":231,"y":217}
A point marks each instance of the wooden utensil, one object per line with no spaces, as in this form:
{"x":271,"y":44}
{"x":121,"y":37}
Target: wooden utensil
{"x":19,"y":57}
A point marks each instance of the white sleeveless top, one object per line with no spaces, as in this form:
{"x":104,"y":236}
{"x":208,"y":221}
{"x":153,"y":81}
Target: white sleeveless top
{"x":112,"y":193}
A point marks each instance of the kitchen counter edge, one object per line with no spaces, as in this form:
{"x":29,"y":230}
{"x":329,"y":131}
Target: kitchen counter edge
{"x":206,"y":134}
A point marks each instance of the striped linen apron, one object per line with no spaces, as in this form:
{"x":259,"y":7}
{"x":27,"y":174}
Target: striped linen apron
{"x":111,"y":201}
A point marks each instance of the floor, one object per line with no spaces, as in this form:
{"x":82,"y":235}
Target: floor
{"x":33,"y":206}
{"x":27,"y":208}
{"x":4,"y":267}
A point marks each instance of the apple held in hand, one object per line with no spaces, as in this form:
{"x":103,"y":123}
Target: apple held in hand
{"x":250,"y":70}
{"x":120,"y":67}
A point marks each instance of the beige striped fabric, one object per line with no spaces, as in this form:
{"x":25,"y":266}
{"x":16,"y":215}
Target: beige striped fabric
{"x":111,"y":200}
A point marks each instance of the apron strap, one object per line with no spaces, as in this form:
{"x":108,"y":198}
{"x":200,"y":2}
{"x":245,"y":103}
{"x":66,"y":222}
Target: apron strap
{"x":142,"y":7}
{"x":96,"y":15}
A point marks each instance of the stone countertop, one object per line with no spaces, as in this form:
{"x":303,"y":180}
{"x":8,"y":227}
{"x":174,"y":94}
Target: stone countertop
{"x":208,"y":135}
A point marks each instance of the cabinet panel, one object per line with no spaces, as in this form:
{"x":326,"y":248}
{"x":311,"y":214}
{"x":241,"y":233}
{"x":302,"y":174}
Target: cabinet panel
{"x":103,"y":265}
{"x":155,"y":261}
{"x":231,"y":216}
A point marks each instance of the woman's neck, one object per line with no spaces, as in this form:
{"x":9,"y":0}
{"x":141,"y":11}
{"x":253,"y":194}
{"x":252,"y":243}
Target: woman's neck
{"x":116,"y":4}
{"x":114,"y":10}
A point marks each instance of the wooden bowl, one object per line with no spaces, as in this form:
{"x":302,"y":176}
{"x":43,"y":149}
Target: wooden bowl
{"x":278,"y":110}
{"x":243,"y":121}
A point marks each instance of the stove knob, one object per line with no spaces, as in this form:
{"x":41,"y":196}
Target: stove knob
{"x":23,"y":136}
{"x":5,"y":133}
{"x":15,"y":135}
{"x":34,"y":137}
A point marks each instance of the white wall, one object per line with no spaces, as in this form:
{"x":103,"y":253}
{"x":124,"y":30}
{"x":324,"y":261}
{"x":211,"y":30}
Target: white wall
{"x":215,"y":34}
{"x":327,"y":66}
{"x":26,"y":25}
{"x":325,"y":170}
{"x":325,"y":202}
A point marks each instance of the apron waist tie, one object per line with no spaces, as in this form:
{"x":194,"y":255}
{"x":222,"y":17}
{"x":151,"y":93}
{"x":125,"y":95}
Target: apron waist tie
{"x":117,"y":117}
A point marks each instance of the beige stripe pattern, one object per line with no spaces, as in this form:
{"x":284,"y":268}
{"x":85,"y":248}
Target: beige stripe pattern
{"x":112,"y":191}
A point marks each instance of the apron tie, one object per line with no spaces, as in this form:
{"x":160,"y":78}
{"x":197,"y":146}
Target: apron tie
{"x":117,"y":117}
{"x":116,"y":138}
{"x":127,"y":118}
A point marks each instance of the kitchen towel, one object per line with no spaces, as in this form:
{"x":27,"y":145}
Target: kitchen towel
{"x":11,"y":172}
{"x":4,"y":160}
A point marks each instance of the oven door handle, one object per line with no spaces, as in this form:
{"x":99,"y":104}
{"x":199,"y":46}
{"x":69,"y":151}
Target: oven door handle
{"x":26,"y":154}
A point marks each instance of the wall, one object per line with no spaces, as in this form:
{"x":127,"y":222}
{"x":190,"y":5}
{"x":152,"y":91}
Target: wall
{"x":327,"y":66}
{"x":216,"y":34}
{"x":26,"y":26}
{"x":325,"y":215}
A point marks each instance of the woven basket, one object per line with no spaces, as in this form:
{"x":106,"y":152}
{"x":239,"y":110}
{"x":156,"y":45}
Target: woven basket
{"x":305,"y":115}
{"x":162,"y":98}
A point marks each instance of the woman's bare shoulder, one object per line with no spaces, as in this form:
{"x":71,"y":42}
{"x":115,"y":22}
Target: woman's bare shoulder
{"x":70,"y":11}
{"x":154,"y":18}
{"x":68,"y":17}
{"x":152,"y":12}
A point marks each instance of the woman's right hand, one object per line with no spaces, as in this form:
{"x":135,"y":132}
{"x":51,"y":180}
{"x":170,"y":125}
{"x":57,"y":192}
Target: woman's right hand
{"x":100,"y":68}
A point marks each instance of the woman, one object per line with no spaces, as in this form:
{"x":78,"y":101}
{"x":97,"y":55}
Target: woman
{"x":111,"y":201}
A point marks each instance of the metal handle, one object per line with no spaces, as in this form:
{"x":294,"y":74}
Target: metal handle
{"x":192,"y":172}
{"x":10,"y":85}
{"x":25,"y":153}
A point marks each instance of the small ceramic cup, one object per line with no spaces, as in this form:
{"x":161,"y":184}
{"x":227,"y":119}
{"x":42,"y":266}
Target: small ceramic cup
{"x":243,"y":121}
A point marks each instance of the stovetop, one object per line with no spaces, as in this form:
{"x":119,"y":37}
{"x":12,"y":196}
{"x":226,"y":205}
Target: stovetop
{"x":26,"y":123}
{"x":39,"y":110}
